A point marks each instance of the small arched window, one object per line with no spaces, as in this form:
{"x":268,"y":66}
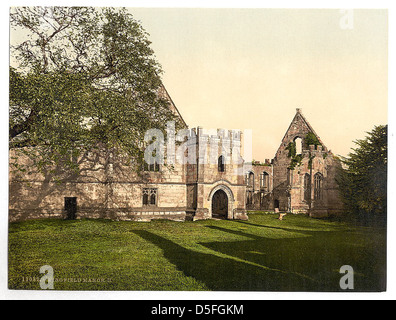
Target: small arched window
{"x":298,"y":142}
{"x":318,"y":186}
{"x":250,"y":179}
{"x":221,"y":164}
{"x":264,"y":181}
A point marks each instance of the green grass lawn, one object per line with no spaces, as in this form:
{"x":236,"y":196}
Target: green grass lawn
{"x":262,"y":254}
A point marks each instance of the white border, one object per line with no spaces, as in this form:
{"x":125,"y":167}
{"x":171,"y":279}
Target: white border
{"x":180,"y":295}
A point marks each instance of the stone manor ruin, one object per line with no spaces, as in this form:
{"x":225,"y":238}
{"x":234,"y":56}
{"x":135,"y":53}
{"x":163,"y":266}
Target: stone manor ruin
{"x":300,"y":179}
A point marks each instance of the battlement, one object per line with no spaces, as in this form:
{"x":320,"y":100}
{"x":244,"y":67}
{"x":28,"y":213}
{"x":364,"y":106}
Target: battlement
{"x":219,"y":133}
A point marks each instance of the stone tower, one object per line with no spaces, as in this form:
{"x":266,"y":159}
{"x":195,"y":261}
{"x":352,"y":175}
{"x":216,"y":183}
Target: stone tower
{"x":215,"y":181}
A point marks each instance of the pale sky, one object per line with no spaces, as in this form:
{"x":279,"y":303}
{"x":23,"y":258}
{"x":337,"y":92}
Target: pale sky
{"x":251,"y":69}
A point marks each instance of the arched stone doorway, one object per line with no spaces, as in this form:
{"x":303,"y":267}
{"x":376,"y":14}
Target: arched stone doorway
{"x":221,"y":202}
{"x":220,"y":205}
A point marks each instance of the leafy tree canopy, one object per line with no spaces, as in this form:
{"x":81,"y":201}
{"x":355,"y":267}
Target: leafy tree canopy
{"x":83,"y":76}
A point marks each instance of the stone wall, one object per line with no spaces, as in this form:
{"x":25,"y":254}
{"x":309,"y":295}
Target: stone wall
{"x":259,"y":189}
{"x":108,"y":188}
{"x":103,"y":189}
{"x":292,"y":184}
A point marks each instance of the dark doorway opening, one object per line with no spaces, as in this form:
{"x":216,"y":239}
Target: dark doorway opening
{"x":276,"y":204}
{"x":220,"y":205}
{"x":71,"y":208}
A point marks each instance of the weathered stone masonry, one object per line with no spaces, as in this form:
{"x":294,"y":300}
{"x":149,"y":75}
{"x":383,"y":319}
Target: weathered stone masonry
{"x":305,"y":185}
{"x":108,"y":189}
{"x":225,"y":189}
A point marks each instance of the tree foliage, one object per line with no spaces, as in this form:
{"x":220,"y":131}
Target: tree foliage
{"x":83,"y":77}
{"x":296,"y":159}
{"x":311,"y":139}
{"x":291,"y":147}
{"x":363,"y":183}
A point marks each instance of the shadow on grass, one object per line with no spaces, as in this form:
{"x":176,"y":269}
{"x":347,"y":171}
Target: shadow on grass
{"x":309,"y":261}
{"x":226,"y":274}
{"x":294,"y":227}
{"x":316,"y":255}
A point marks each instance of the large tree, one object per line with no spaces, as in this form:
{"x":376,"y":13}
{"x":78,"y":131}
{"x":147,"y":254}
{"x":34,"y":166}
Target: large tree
{"x":80,"y":77}
{"x":363,"y":182}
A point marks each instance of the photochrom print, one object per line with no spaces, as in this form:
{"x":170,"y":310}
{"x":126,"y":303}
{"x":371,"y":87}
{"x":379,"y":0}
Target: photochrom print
{"x":197,"y":149}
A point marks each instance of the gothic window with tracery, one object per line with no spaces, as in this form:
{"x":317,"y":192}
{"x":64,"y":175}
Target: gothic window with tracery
{"x":150,"y":196}
{"x":318,"y":186}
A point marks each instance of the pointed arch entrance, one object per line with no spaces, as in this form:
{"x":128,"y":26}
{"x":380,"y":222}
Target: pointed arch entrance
{"x":219,"y":205}
{"x":221,"y":202}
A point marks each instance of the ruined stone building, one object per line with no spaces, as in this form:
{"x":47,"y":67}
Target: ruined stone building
{"x":300,"y":179}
